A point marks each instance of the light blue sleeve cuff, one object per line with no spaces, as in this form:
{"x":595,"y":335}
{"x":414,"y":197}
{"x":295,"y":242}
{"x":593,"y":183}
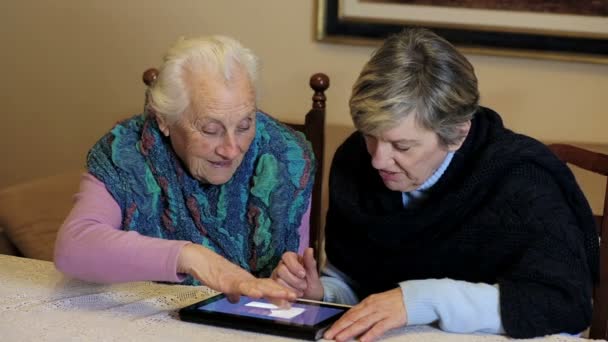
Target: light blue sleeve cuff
{"x":336,"y":286}
{"x":419,"y":302}
{"x":337,"y":291}
{"x":458,"y":306}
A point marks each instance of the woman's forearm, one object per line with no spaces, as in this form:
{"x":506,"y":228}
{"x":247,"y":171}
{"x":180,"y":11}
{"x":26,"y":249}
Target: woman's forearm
{"x":90,"y":246}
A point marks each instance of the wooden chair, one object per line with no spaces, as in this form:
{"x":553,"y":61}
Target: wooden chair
{"x":314,"y":130}
{"x":597,"y":163}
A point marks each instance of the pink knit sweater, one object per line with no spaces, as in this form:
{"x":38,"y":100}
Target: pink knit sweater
{"x":91,"y":246}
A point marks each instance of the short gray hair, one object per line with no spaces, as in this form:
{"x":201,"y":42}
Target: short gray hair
{"x":418,"y":72}
{"x":169,"y":96}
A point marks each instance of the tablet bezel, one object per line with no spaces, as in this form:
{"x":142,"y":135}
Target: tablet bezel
{"x":278,"y":327}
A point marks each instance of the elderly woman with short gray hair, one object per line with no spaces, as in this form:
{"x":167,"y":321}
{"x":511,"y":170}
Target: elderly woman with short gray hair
{"x":438,"y":214}
{"x":201,"y":188}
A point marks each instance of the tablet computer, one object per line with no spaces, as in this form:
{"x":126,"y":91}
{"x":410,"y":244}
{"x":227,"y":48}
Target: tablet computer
{"x":305,"y":319}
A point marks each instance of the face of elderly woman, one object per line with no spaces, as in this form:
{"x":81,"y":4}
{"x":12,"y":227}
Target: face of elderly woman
{"x":214,"y":133}
{"x":407,"y":154}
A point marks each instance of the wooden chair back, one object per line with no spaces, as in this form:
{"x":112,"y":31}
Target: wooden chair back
{"x":313,"y":127}
{"x":597,"y":163}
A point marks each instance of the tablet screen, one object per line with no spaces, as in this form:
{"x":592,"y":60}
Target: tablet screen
{"x":302,"y":313}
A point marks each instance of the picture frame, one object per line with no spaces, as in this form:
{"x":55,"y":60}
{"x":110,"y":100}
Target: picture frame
{"x":576,"y":32}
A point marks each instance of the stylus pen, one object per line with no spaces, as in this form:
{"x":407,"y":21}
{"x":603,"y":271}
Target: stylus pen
{"x":320,"y":302}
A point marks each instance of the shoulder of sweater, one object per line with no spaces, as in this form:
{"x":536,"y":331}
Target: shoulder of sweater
{"x":533,"y":190}
{"x":349,"y":152}
{"x":529,"y":176}
{"x":537,"y":196}
{"x":353,"y":141}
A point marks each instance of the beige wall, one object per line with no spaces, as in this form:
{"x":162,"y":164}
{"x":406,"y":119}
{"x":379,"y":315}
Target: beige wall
{"x":71,"y":68}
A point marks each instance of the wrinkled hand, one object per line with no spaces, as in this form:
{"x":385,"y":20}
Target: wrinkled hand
{"x":299,"y":273}
{"x":221,"y":275}
{"x":371,"y":318}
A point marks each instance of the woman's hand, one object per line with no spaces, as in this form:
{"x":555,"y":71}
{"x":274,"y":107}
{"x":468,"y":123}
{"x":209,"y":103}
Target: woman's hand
{"x":221,"y":275}
{"x":371,"y":318}
{"x":299,"y":273}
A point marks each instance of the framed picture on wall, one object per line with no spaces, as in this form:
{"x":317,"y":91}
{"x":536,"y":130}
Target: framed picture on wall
{"x":555,"y":29}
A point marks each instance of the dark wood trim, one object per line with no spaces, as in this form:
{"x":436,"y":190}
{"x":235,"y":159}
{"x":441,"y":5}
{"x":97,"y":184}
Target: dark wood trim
{"x":332,"y":28}
{"x":597,"y":163}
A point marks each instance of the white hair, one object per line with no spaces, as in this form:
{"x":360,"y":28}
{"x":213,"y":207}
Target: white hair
{"x":169,"y":95}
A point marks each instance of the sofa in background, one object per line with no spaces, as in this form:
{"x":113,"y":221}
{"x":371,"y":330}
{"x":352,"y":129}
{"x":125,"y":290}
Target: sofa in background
{"x":32,"y":212}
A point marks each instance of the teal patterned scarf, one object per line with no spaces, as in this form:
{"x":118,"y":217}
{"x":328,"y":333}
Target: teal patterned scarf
{"x":251,"y":220}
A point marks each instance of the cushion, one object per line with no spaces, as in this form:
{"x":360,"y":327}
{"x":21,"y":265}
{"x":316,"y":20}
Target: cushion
{"x":32,"y":212}
{"x":6,"y":246}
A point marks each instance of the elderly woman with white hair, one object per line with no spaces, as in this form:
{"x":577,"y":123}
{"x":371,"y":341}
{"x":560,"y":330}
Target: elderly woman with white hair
{"x":438,"y":214}
{"x":201,"y":188}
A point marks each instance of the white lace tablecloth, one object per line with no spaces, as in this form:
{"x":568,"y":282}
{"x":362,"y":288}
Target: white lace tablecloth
{"x":37,"y":303}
